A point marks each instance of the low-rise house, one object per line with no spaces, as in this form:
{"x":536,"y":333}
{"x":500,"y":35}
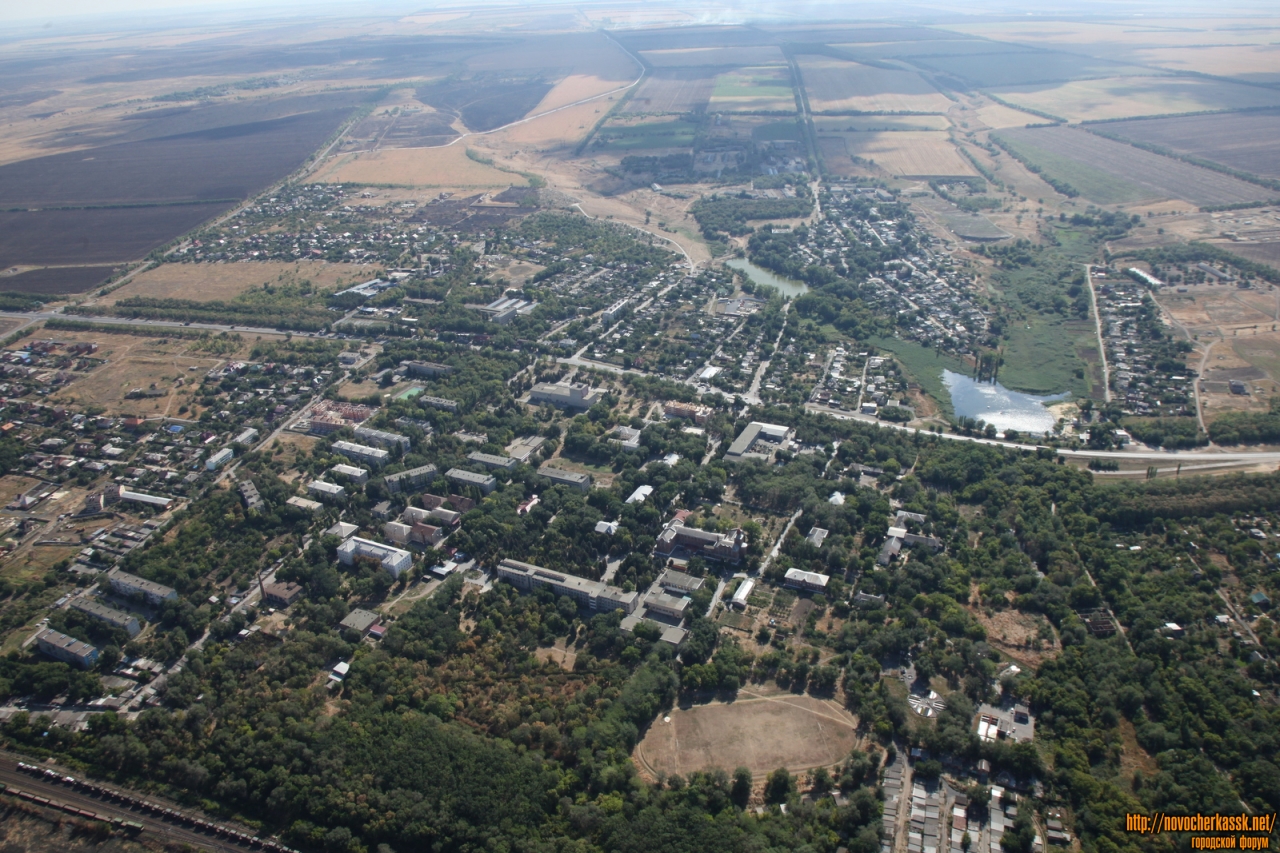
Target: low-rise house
{"x":809,"y":581}
{"x":282,"y":595}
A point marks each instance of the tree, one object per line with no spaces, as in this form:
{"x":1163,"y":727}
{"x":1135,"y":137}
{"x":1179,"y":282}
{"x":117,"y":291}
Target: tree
{"x":779,"y":786}
{"x":740,"y":792}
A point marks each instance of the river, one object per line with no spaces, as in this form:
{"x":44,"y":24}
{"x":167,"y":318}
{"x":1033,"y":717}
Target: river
{"x":760,"y":275}
{"x":999,"y":406}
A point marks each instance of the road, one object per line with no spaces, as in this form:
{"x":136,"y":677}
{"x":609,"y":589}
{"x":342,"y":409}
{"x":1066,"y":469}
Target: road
{"x":35,"y":316}
{"x":1097,"y":325}
{"x":753,"y":394}
{"x":777,"y":546}
{"x":715,"y":599}
{"x":168,"y":831}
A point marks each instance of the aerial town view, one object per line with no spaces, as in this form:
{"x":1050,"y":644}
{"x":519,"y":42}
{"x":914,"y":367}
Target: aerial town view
{"x":619,"y":427}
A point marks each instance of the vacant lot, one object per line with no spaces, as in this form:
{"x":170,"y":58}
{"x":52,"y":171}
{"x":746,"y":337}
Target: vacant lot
{"x":1245,"y":141}
{"x":418,"y":167}
{"x":52,"y":237}
{"x":209,"y":282}
{"x":673,"y":90}
{"x":55,"y":280}
{"x":1126,"y":97}
{"x":909,"y":153}
{"x":759,"y":89}
{"x":1126,"y":173}
{"x":761,"y":730}
{"x":836,"y":86}
{"x":402,"y":127}
{"x":724,"y":57}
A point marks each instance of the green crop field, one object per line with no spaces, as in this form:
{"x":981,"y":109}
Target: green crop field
{"x":665,"y":134}
{"x":1094,"y":184}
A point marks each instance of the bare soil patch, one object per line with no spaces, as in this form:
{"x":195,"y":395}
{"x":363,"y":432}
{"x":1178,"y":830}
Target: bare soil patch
{"x":761,"y":730}
{"x":219,"y":281}
{"x":1013,"y":633}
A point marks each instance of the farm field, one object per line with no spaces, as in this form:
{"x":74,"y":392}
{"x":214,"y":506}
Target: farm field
{"x":1244,"y":141}
{"x":94,"y":237}
{"x":1108,"y":35}
{"x":226,"y":162}
{"x":561,"y":128}
{"x":419,"y":167}
{"x":721,"y":57}
{"x":1257,"y":63}
{"x":909,"y":153}
{"x":967,"y":226}
{"x":410,"y":125}
{"x":55,"y":280}
{"x":673,"y":90}
{"x":756,"y":89}
{"x":1014,"y":66}
{"x":628,"y":135}
{"x":218,"y":281}
{"x":836,"y":86}
{"x":1111,"y":172}
{"x":868,"y":51}
{"x":1130,"y":97}
{"x":865,"y":124}
{"x":485,"y":102}
{"x":761,"y":731}
{"x":998,"y":115}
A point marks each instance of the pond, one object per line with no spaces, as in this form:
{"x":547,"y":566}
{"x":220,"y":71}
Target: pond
{"x":999,"y":406}
{"x":759,"y":275}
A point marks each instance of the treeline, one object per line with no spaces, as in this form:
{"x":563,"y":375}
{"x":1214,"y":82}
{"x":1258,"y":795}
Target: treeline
{"x":301,"y":315}
{"x":1059,"y":185}
{"x":1247,"y":427}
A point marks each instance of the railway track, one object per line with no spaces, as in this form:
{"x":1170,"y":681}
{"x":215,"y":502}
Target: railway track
{"x":80,"y":798}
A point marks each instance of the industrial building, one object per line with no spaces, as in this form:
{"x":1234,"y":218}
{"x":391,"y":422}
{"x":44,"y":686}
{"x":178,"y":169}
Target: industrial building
{"x":132,"y":585}
{"x":759,"y":441}
{"x":66,"y":649}
{"x":593,"y":595}
{"x":393,"y":560}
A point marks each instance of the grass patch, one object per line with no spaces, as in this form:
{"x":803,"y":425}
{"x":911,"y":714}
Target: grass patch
{"x":665,"y":134}
{"x":925,"y":366}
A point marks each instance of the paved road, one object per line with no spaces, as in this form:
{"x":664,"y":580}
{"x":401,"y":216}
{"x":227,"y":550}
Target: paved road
{"x":167,"y":831}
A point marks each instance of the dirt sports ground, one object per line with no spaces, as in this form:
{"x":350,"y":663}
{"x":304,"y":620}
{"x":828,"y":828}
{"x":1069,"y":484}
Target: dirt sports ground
{"x":763,"y":729}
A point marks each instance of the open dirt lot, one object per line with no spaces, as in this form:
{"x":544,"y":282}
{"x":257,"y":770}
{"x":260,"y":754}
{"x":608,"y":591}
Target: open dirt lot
{"x":834,"y":85}
{"x":419,"y":167}
{"x":909,"y":153}
{"x":208,"y":282}
{"x":763,"y":729}
{"x":1123,"y":97}
{"x":137,"y":362}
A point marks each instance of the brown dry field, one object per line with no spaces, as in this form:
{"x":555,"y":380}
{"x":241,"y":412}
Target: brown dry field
{"x":995,"y":115}
{"x":559,"y":129}
{"x":871,"y":124}
{"x":219,"y":281}
{"x":1012,"y":631}
{"x":763,"y":729}
{"x":909,"y":152}
{"x":672,"y":92}
{"x":447,"y":167}
{"x":714,"y":56}
{"x":1149,"y":32}
{"x":1120,"y":97}
{"x":12,"y":485}
{"x":1261,"y":63}
{"x":578,"y":87}
{"x":834,"y":84}
{"x":134,"y":361}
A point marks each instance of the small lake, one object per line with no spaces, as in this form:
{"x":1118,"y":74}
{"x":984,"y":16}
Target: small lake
{"x":997,"y":405}
{"x":760,"y":275}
